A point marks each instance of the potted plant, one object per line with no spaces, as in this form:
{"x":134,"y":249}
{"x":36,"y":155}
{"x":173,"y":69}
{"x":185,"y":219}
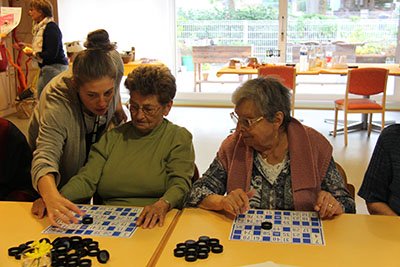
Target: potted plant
{"x":186,"y":55}
{"x":205,"y":67}
{"x":370,"y":53}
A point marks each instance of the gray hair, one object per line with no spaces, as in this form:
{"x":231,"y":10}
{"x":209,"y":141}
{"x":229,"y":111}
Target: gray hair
{"x":269,"y":96}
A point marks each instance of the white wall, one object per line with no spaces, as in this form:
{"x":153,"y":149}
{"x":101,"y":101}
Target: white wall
{"x":146,"y":25}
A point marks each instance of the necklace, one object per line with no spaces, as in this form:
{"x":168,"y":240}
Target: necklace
{"x":278,"y":151}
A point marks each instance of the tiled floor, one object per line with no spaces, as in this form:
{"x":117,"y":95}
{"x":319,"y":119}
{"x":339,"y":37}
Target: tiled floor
{"x":210,"y":126}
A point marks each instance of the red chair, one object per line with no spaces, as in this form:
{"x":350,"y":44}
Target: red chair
{"x":364,"y":82}
{"x":286,"y":74}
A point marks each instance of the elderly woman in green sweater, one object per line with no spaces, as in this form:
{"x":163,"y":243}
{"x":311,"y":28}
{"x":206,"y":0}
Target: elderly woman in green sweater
{"x":272,"y":161}
{"x":148,"y":161}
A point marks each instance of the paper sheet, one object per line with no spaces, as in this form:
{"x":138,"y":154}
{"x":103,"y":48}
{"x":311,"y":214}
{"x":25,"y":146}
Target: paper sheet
{"x":10,"y":17}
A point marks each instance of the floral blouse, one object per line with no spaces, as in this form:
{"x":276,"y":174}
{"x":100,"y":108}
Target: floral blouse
{"x":272,"y":183}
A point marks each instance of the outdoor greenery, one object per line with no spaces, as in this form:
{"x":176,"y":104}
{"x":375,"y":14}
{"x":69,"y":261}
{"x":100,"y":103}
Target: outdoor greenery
{"x":256,"y":12}
{"x":228,"y":26}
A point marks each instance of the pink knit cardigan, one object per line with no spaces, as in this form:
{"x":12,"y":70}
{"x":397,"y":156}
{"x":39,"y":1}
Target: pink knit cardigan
{"x":310,"y":154}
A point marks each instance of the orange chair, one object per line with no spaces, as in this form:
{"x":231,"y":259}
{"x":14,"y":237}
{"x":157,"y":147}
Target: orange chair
{"x":364,"y":82}
{"x":286,"y":74}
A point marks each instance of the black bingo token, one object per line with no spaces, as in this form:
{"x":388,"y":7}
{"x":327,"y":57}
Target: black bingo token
{"x":29,"y":242}
{"x":87,"y":220}
{"x":85,"y":263}
{"x":179,"y":253}
{"x":87,"y":241}
{"x":72,"y":263}
{"x":103,"y":256}
{"x":190,"y":257}
{"x":61,"y":258}
{"x":22,"y":247}
{"x":217,"y":249}
{"x":93,"y":245}
{"x":204,"y":238}
{"x":181,"y":246}
{"x":204,"y":249}
{"x":13,"y":251}
{"x":213,"y":242}
{"x":202,"y":255}
{"x":73,"y":257}
{"x":191,"y":250}
{"x":202,"y":243}
{"x":18,"y":256}
{"x":61,"y":250}
{"x":266,"y":225}
{"x":93,"y":252}
{"x":190,"y":243}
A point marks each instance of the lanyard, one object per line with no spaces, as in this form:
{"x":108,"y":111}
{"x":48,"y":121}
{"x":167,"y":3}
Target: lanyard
{"x":95,"y":126}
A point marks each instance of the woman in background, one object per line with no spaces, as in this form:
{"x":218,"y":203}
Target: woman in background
{"x":47,"y":46}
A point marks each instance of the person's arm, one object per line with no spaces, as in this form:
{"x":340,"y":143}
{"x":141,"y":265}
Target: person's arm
{"x":236,"y":202}
{"x":56,"y":205}
{"x":84,"y":184}
{"x":375,"y":188}
{"x":380,"y":208}
{"x":179,"y":168}
{"x":209,"y":192}
{"x":51,"y":121}
{"x":334,"y":198}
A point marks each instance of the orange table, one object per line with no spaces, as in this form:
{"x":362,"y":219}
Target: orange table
{"x":129,"y":67}
{"x":350,"y":240}
{"x":19,"y":226}
{"x":394,"y":69}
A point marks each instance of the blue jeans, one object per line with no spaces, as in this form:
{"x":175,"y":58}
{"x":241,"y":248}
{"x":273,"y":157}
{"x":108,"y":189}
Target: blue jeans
{"x":48,"y":72}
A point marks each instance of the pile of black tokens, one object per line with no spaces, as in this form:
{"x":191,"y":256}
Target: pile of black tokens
{"x":193,"y":250}
{"x":68,"y":251}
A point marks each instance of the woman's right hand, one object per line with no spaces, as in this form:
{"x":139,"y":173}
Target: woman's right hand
{"x":57,"y":206}
{"x":237,"y":201}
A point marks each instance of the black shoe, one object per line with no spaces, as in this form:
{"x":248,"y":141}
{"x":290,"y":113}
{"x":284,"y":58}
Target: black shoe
{"x":27,"y":93}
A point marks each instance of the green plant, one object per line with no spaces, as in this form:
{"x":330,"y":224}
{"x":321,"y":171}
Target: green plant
{"x":205,"y":66}
{"x":184,"y":49}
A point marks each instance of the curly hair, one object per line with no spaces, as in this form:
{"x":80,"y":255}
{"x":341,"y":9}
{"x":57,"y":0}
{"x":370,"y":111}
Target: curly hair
{"x":43,"y":6}
{"x":269,"y":96}
{"x":152,"y":80}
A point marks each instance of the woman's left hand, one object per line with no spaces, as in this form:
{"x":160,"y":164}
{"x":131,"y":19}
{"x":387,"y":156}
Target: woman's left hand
{"x":327,"y":206}
{"x":153,"y":214}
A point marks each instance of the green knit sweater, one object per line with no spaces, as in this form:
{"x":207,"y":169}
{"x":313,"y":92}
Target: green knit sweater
{"x":126,"y":168}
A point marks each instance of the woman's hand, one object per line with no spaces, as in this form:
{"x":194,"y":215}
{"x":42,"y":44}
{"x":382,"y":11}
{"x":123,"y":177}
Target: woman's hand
{"x":327,"y":206}
{"x":38,"y":208}
{"x":153,"y":214}
{"x":28,"y":51}
{"x":58,"y":207}
{"x":237,"y":201}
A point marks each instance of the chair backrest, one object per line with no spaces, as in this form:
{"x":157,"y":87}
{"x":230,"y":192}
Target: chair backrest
{"x":342,"y":173}
{"x":286,"y":74}
{"x":367,"y":81}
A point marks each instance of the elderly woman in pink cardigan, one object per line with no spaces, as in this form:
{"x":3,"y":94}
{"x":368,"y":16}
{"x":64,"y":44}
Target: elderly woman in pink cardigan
{"x":271,"y":161}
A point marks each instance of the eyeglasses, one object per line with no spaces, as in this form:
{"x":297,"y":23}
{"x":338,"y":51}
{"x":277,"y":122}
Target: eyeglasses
{"x":147,"y":109}
{"x":246,"y":123}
